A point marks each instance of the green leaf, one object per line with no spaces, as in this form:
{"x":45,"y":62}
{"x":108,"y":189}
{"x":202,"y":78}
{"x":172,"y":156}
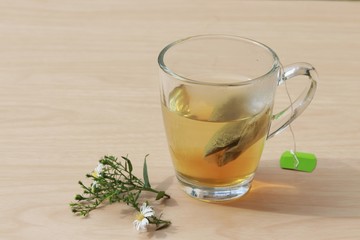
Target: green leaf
{"x":128,"y":164}
{"x":78,"y":197}
{"x":160,"y":195}
{"x":145,"y":175}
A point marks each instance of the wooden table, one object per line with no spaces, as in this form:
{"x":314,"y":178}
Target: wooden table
{"x":79,"y":79}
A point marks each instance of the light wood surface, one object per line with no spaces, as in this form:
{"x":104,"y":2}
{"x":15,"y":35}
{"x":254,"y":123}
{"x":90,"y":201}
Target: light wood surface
{"x":79,"y":79}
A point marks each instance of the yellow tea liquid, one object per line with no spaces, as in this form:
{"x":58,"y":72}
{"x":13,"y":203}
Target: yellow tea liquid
{"x":189,"y":137}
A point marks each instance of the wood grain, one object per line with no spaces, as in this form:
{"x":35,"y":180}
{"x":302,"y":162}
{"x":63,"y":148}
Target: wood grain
{"x":79,"y":79}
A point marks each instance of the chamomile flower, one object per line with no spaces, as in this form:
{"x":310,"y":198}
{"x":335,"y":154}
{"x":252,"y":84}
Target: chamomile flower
{"x":141,"y":220}
{"x":97,"y":171}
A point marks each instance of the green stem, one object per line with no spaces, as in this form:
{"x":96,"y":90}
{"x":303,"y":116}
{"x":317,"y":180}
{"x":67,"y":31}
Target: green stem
{"x":155,"y":191}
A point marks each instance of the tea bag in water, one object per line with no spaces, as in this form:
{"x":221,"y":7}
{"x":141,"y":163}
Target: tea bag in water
{"x":179,"y":100}
{"x":236,"y":137}
{"x":224,"y":111}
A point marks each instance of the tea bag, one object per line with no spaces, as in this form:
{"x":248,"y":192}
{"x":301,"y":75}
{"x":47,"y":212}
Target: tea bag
{"x":227,"y":137}
{"x":236,"y":107}
{"x":224,"y":112}
{"x":235,"y":137}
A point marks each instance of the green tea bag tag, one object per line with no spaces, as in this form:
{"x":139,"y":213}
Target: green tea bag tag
{"x":293,"y":160}
{"x":299,"y":161}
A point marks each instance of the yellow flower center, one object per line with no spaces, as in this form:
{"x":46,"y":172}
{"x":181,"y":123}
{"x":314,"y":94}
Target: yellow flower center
{"x":95,"y":174}
{"x":139,"y":216}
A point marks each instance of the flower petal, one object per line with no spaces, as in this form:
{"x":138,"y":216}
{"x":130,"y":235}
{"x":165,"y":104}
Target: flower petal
{"x":140,"y":225}
{"x":137,"y":224}
{"x":98,"y":169}
{"x":143,"y":224}
{"x":143,"y":206}
{"x":148,"y":212}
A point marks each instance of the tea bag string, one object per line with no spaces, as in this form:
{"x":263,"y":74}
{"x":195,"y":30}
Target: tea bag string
{"x":291,"y":130}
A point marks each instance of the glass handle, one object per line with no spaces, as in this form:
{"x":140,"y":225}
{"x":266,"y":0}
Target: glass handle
{"x":282,"y":119}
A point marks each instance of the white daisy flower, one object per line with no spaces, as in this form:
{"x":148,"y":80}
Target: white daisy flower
{"x":141,"y":220}
{"x":97,"y":171}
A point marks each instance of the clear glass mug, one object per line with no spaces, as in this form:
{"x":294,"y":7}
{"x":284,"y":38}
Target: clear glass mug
{"x":217,"y":97}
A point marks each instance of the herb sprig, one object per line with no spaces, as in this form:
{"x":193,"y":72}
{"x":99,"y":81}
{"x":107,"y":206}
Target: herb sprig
{"x":113,"y":181}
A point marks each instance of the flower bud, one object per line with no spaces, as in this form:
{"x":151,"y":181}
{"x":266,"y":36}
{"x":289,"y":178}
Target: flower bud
{"x":79,"y":197}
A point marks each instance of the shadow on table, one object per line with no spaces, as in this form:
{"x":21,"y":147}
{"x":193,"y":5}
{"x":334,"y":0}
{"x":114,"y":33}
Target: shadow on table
{"x":164,"y":233}
{"x":325,"y":192}
{"x":164,"y":185}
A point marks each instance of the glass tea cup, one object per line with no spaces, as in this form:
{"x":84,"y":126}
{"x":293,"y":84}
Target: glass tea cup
{"x":217,"y":96}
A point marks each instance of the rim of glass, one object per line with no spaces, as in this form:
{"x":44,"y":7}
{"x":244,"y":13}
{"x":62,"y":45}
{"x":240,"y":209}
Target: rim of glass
{"x":166,"y":69}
